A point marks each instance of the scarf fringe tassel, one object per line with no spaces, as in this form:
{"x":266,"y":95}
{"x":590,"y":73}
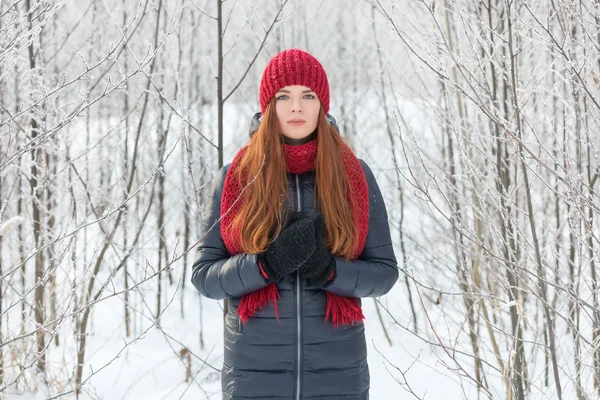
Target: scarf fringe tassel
{"x":258,"y":299}
{"x":341,"y":310}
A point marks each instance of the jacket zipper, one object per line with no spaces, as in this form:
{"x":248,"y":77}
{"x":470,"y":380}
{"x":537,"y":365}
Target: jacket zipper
{"x":298,"y":319}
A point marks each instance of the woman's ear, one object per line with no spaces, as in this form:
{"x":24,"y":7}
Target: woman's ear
{"x":254,"y":123}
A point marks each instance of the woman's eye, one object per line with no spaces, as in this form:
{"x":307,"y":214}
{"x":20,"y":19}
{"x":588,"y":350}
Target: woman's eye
{"x":285,"y":97}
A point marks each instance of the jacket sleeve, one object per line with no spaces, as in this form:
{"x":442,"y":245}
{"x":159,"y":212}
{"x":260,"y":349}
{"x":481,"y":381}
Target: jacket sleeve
{"x":375,"y":272}
{"x":215,"y":273}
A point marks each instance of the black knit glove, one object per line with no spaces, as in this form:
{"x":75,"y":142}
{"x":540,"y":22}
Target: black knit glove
{"x":321,"y":264}
{"x":291,"y":249}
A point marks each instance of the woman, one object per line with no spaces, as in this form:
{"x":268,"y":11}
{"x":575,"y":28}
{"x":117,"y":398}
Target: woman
{"x":296,"y":232}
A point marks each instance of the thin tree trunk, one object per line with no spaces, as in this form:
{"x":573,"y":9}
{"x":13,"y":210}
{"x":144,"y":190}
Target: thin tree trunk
{"x":588,"y":225}
{"x":591,"y":254}
{"x":456,"y":218}
{"x":51,"y":163}
{"x":20,"y":200}
{"x":125,"y":221}
{"x":75,"y":276}
{"x":161,"y":211}
{"x":79,"y":320}
{"x":220,"y":104}
{"x":186,"y":230}
{"x":1,"y":258}
{"x":50,"y":201}
{"x":36,"y":202}
{"x":540,"y":268}
{"x":2,"y":101}
{"x":162,"y":244}
{"x":496,"y":133}
{"x":186,"y":204}
{"x":203,"y":101}
{"x":164,"y":129}
{"x":220,"y":78}
{"x":509,"y":243}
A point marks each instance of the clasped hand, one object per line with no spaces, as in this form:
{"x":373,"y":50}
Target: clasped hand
{"x":300,"y":246}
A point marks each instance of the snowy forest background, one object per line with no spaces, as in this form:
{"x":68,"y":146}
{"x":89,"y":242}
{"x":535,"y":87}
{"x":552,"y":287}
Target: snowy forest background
{"x":480,"y":120}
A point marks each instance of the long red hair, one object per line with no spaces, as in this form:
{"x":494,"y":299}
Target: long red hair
{"x":260,"y":217}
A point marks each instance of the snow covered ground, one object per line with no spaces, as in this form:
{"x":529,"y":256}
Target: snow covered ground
{"x":150,"y":369}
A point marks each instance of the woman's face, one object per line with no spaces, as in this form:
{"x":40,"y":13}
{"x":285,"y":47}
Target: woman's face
{"x":297,"y":110}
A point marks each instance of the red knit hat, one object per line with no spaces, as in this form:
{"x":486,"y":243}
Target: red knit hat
{"x":294,"y":67}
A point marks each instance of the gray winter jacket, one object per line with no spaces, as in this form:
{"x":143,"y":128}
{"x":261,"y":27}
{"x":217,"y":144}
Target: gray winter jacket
{"x":301,"y":356}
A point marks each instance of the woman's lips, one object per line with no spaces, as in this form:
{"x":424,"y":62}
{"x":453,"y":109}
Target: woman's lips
{"x":296,"y":122}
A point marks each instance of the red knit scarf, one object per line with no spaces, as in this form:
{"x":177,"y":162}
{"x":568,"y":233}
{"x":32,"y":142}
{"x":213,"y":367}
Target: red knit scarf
{"x":299,"y":159}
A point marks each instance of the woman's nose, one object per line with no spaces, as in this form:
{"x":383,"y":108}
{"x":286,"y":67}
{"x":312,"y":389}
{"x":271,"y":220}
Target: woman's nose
{"x":296,"y":106}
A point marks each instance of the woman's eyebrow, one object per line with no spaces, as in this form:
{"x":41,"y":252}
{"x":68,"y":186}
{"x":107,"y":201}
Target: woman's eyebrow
{"x":287,"y":91}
